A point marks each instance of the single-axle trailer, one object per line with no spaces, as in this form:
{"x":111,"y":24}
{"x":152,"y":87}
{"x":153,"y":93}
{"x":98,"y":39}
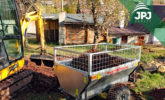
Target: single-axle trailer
{"x":84,"y":72}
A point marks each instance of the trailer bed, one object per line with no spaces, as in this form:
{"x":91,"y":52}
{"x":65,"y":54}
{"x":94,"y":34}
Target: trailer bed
{"x":84,"y":74}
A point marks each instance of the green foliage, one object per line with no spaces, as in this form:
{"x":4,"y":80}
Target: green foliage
{"x":149,"y":81}
{"x":48,"y":9}
{"x":70,"y":8}
{"x":35,"y":47}
{"x":146,"y":58}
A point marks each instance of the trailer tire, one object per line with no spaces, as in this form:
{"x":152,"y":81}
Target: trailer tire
{"x":119,"y":92}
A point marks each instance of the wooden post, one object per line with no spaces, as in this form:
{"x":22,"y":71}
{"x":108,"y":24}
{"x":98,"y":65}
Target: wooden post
{"x":66,"y":35}
{"x":87,"y":35}
{"x":62,"y":31}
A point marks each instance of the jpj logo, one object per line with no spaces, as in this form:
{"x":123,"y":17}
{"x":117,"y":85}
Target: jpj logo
{"x":142,"y":13}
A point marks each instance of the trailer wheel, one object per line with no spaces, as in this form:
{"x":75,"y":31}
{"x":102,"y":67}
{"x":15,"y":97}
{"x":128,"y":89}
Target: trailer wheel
{"x":119,"y":92}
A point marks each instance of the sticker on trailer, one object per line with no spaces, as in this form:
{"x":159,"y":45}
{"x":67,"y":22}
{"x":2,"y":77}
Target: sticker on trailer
{"x":117,"y":70}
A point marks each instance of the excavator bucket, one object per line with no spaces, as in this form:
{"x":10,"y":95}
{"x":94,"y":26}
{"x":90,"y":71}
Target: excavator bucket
{"x":46,"y":60}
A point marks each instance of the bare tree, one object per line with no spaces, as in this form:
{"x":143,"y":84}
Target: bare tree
{"x":25,"y":6}
{"x":105,"y":15}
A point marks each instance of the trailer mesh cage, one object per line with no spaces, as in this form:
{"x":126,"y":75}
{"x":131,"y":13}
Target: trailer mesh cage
{"x":105,"y":55}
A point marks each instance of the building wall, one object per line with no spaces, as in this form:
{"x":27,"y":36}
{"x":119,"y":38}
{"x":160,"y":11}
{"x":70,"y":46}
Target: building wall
{"x":116,"y":36}
{"x":51,"y":30}
{"x":135,"y":39}
{"x":146,"y":38}
{"x":62,"y":28}
{"x":90,"y":35}
{"x":72,"y":33}
{"x":32,"y":27}
{"x":155,"y":40}
{"x":158,"y":37}
{"x":132,"y":39}
{"x":75,"y":34}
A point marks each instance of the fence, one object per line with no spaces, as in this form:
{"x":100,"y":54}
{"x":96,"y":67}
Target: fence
{"x":85,"y":58}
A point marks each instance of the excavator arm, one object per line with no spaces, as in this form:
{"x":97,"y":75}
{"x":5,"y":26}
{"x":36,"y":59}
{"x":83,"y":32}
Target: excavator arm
{"x":25,"y":21}
{"x":36,"y":16}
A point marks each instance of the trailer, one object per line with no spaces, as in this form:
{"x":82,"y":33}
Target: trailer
{"x":83,"y":72}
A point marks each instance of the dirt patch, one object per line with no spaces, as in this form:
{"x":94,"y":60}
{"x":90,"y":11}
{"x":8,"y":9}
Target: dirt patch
{"x":47,"y":71}
{"x":134,"y":95}
{"x":159,"y":94}
{"x":148,"y":50}
{"x":44,"y":77}
{"x":99,"y":61}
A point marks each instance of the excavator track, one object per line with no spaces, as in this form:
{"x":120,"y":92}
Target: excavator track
{"x":10,"y":86}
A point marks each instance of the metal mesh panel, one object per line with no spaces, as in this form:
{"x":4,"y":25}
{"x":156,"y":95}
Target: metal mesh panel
{"x":84,"y":58}
{"x":72,"y":58}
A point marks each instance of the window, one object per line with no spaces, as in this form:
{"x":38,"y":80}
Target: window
{"x":3,"y":56}
{"x":124,"y":39}
{"x":13,"y":48}
{"x":8,"y":18}
{"x":9,"y":25}
{"x":1,"y":32}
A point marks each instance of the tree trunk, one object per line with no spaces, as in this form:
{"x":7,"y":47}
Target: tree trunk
{"x":78,"y":7}
{"x":96,"y":39}
{"x":95,"y":26}
{"x":107,"y":38}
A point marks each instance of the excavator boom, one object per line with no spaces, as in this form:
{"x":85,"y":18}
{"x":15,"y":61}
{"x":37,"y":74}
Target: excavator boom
{"x":42,"y":58}
{"x":25,"y":21}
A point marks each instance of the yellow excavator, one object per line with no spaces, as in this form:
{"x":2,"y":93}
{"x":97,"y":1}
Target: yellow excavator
{"x":12,"y":39}
{"x":43,"y":58}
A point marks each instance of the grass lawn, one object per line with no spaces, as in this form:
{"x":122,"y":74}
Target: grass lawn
{"x":143,"y":85}
{"x":148,"y":82}
{"x":150,"y":53}
{"x":35,"y":47}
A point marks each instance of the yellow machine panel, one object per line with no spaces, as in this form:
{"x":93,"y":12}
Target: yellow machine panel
{"x":12,"y":69}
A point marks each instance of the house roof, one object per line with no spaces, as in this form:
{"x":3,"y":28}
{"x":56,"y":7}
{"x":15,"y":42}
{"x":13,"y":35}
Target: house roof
{"x":79,"y":18}
{"x":50,"y":16}
{"x":71,"y":18}
{"x":129,"y":30}
{"x":134,"y":29}
{"x":159,"y":10}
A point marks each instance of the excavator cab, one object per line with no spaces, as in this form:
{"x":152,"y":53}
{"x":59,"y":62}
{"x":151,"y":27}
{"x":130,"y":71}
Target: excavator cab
{"x":3,"y":56}
{"x":11,"y":46}
{"x":11,"y":39}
